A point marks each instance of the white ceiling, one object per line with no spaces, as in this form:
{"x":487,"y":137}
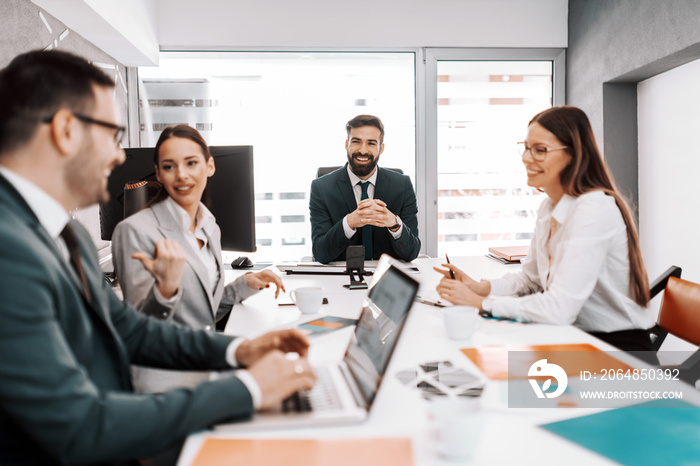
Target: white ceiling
{"x":133,"y":31}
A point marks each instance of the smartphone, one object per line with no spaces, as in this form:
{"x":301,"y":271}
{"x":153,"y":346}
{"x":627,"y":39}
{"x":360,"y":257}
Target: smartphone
{"x":355,"y":258}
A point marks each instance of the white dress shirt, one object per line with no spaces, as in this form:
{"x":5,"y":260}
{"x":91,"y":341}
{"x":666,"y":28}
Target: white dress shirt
{"x":586,"y":283}
{"x":53,"y":217}
{"x":357,"y":190}
{"x":205,"y":226}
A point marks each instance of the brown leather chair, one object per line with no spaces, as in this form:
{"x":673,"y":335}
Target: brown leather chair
{"x":679,"y":315}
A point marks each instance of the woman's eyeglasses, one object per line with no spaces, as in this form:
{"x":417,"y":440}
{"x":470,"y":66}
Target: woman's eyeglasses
{"x":538,"y":153}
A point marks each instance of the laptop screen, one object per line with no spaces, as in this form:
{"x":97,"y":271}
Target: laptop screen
{"x":378,"y":328}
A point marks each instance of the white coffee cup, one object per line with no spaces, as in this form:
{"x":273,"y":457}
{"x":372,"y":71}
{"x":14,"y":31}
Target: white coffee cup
{"x":461,"y":321}
{"x":308,"y":300}
{"x":456,"y":425}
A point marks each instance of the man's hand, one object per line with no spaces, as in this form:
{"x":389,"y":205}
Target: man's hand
{"x":260,"y":280}
{"x":166,"y":266}
{"x":371,"y":212}
{"x":279,"y":377}
{"x":287,"y":341}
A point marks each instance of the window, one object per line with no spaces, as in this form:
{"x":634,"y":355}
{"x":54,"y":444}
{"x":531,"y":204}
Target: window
{"x":452,"y":119}
{"x":481,"y":108}
{"x":292,"y":108}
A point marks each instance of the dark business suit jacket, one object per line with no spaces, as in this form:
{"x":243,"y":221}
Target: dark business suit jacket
{"x":65,"y":389}
{"x":332,"y":198}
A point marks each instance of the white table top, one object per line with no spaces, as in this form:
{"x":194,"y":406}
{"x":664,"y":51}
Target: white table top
{"x":509,"y":436}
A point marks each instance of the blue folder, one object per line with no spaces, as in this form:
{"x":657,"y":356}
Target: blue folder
{"x":657,"y":432}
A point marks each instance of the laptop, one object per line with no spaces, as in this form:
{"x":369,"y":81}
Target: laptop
{"x":345,"y":391}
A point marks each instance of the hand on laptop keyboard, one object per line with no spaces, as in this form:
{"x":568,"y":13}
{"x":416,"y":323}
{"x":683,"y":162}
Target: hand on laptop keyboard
{"x":278,"y":377}
{"x":322,"y":397}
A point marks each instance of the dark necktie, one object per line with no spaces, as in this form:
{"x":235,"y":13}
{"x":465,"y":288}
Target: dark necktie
{"x":367,"y":229}
{"x":71,"y":240}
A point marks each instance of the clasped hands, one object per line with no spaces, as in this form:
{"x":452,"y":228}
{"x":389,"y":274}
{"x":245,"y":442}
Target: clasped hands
{"x":371,"y":212}
{"x":168,"y":264}
{"x":462,"y":290}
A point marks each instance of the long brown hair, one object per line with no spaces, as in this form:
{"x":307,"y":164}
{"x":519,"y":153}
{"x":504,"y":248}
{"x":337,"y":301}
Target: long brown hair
{"x":588,"y":172}
{"x":185,"y":132}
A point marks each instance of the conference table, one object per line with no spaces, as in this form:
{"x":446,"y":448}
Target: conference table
{"x":508,"y":435}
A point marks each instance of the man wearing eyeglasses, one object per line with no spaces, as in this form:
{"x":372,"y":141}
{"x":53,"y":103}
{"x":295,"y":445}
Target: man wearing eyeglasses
{"x":66,"y":341}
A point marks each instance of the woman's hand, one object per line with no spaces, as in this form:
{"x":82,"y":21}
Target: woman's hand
{"x":166,"y":266}
{"x":458,"y":293}
{"x":481,"y":288}
{"x":262,"y":279}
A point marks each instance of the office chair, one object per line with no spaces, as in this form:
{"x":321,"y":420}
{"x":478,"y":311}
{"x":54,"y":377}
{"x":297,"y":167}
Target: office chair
{"x":325,"y":170}
{"x":679,"y":315}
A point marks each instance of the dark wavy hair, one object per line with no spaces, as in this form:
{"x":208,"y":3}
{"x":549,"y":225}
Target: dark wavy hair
{"x":588,"y":172}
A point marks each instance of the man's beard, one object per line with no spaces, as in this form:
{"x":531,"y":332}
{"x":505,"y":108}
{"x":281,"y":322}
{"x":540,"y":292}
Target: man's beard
{"x":362,"y":169}
{"x":82,"y":177}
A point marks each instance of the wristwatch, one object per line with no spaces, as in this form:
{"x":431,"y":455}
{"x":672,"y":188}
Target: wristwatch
{"x":486,"y":307}
{"x":395,"y":226}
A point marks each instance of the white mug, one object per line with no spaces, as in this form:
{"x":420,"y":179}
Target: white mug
{"x":461,"y":321}
{"x":456,"y":426}
{"x":308,"y":300}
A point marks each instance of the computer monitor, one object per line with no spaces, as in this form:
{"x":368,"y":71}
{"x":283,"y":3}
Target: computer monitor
{"x":231,"y":193}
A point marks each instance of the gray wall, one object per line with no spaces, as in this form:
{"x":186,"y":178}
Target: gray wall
{"x":614,"y":44}
{"x":22,"y":29}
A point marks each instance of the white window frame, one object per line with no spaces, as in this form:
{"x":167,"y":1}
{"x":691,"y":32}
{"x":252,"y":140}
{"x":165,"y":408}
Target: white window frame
{"x":426,"y":109}
{"x":426,"y":178}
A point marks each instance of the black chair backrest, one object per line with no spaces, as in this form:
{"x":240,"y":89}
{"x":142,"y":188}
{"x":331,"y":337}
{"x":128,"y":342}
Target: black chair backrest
{"x":659,"y":284}
{"x":325,"y":170}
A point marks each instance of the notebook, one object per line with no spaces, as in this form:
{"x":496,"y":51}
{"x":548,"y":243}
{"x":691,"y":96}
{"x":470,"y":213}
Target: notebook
{"x":510,"y":253}
{"x":306,"y":452}
{"x":345,"y":391}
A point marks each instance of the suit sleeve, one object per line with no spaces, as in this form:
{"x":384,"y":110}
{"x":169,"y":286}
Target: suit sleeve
{"x":407,"y":246}
{"x":48,"y":394}
{"x":328,"y":238}
{"x":137,"y":283}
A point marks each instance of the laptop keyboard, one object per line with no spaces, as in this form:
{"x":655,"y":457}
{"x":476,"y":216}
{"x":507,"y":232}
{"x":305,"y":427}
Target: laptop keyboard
{"x":322,"y":397}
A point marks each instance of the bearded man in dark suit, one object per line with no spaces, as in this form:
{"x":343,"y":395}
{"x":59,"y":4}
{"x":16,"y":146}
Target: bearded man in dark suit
{"x":361,"y":203}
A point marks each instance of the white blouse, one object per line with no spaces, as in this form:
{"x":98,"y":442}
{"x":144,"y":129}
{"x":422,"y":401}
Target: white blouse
{"x":586,"y":282}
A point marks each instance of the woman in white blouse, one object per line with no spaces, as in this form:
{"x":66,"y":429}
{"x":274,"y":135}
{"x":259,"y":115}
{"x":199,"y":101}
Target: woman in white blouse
{"x":584,"y":266}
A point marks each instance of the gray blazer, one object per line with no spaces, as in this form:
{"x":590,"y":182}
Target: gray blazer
{"x":196,"y":300}
{"x":65,"y":391}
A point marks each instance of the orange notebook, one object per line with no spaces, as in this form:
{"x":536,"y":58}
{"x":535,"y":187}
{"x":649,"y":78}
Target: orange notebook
{"x":305,"y":452}
{"x":493,"y":360}
{"x":510,"y":253}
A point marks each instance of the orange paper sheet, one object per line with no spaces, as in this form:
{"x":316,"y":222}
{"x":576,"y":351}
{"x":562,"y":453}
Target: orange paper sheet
{"x":493,"y":360}
{"x":305,"y":452}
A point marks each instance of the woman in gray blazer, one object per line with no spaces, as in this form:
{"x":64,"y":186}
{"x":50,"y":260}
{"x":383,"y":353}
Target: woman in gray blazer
{"x":189,"y":287}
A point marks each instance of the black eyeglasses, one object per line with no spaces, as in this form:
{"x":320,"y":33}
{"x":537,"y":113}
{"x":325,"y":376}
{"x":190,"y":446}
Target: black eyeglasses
{"x":119,"y":131}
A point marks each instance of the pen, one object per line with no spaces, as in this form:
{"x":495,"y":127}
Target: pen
{"x":452,"y":274}
{"x":429,"y":301}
